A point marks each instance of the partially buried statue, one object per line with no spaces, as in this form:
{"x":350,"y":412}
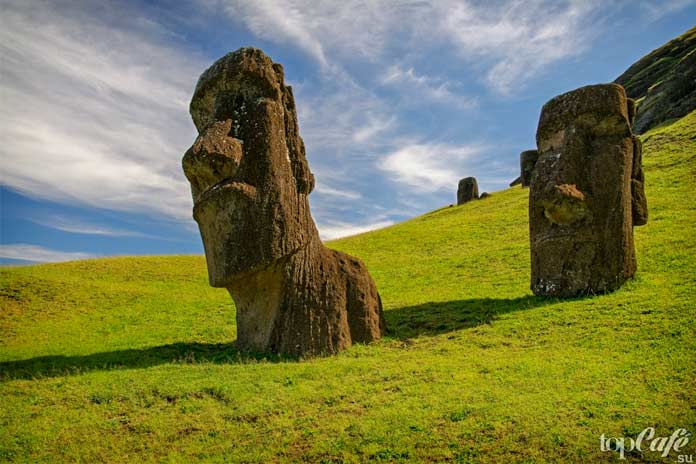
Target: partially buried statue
{"x":467,"y":190}
{"x":586,"y":193}
{"x":250,"y":181}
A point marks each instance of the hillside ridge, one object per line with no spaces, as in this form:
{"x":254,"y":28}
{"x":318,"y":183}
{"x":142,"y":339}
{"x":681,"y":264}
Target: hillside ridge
{"x":663,"y":82}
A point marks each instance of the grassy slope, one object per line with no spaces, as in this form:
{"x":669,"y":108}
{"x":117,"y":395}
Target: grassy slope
{"x":129,"y":358}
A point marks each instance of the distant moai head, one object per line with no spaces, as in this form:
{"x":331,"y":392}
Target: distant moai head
{"x":528,"y":159}
{"x":585,"y":187}
{"x":247,"y":168}
{"x":467,"y":190}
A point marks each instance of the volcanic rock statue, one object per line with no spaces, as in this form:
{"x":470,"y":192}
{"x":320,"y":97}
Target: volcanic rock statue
{"x":250,"y":181}
{"x":467,"y":191}
{"x":586,"y":194}
{"x":528,"y":159}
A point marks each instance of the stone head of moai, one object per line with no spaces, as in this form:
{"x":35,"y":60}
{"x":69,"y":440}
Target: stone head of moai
{"x":528,"y":159}
{"x":586,"y":193}
{"x":250,"y":183}
{"x":467,"y":190}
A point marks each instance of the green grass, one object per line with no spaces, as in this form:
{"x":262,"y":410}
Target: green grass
{"x":131,"y":359}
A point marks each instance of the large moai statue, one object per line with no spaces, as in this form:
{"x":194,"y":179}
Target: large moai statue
{"x":250,"y":181}
{"x":467,"y":190}
{"x":586,"y":193}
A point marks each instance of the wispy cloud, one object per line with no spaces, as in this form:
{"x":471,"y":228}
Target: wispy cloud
{"x":334,"y":192}
{"x":74,"y":226}
{"x":38,"y":254}
{"x":516,"y":40}
{"x":656,"y":9}
{"x":431,"y":89}
{"x":94,"y":112}
{"x":323,"y":30}
{"x":511,"y":40}
{"x":337,"y":229}
{"x":429,"y":167}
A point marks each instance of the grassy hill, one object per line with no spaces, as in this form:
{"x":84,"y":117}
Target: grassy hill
{"x":131,"y":359}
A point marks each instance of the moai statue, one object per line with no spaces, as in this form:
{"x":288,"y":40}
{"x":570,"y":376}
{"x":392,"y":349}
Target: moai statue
{"x":528,"y":160}
{"x":586,"y":193}
{"x":467,"y":190}
{"x":250,"y":181}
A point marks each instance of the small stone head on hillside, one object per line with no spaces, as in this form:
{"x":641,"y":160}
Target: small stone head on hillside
{"x":247,"y":168}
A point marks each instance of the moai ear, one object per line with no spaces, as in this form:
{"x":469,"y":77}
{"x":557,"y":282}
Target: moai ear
{"x":638,"y":201}
{"x":631,"y":110}
{"x":300,"y":168}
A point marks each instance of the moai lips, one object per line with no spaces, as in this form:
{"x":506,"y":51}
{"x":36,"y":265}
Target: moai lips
{"x":250,"y":181}
{"x":586,"y":193}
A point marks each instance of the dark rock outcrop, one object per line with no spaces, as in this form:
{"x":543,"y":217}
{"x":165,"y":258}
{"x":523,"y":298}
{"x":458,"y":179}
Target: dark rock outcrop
{"x":586,"y":194}
{"x":517,"y":181}
{"x":250,"y":181}
{"x":528,"y":160}
{"x":467,"y":190}
{"x":663,"y":83}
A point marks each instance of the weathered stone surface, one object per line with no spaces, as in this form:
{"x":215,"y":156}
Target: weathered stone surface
{"x":467,"y":190}
{"x":586,"y":194}
{"x":528,"y":160}
{"x":250,"y":181}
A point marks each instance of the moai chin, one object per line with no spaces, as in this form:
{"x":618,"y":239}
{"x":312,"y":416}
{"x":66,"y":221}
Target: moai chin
{"x":586,"y":193}
{"x":250,"y":181}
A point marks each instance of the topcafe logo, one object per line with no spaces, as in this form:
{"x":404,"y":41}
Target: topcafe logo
{"x":645,"y":441}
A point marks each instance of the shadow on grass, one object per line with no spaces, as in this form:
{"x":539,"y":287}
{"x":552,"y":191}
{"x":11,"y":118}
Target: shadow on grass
{"x":184,"y":353}
{"x":402,"y":323}
{"x":448,"y":316}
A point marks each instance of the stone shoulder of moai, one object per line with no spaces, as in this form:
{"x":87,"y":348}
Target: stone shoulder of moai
{"x":250,"y":182}
{"x":586,"y":193}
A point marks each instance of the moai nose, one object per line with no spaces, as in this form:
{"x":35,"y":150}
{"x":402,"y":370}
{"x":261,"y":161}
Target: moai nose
{"x":214,"y":157}
{"x":566,"y":205}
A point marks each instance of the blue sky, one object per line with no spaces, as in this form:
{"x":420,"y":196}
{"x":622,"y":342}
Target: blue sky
{"x":397,"y":101}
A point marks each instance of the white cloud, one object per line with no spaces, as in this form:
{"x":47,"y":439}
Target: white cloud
{"x":34,"y":253}
{"x":518,"y":39}
{"x":371,"y":128}
{"x":655,"y":10}
{"x":425,"y":87}
{"x":94,"y":112}
{"x":322,"y":28}
{"x":512,"y":41}
{"x":74,"y":226}
{"x":341,"y":117}
{"x":337,"y":229}
{"x":340,"y":193}
{"x":430,"y":167}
